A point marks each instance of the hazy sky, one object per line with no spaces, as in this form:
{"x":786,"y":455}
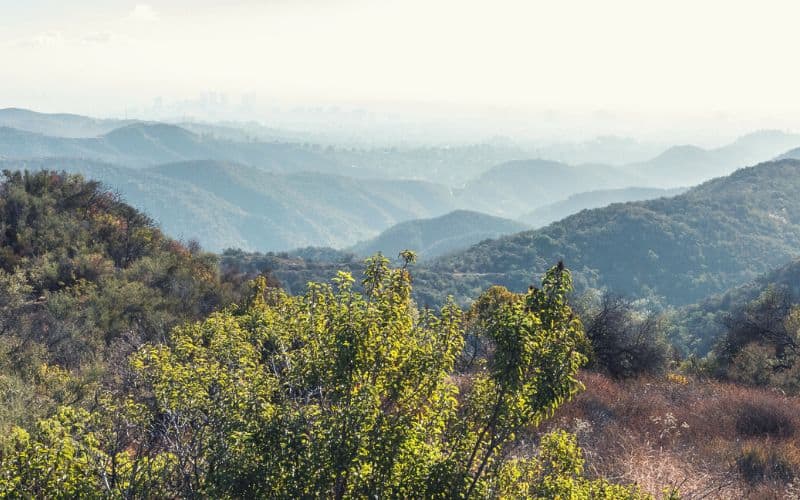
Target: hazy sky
{"x":686,"y":60}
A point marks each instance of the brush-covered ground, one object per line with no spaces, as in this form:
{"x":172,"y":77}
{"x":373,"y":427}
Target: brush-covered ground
{"x":706,"y":438}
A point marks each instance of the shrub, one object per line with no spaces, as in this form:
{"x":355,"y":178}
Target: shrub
{"x":760,"y":420}
{"x":762,"y":343}
{"x":331,"y":394}
{"x":762,"y":462}
{"x":626,"y":342}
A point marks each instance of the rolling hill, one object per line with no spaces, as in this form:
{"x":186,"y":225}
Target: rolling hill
{"x":517,"y":187}
{"x":223,"y":204}
{"x":793,"y":154}
{"x":58,"y":124}
{"x":689,"y":165}
{"x":547,"y":214}
{"x":150,"y":144}
{"x":438,"y":236}
{"x":720,"y":234}
{"x":514,"y":189}
{"x":699,"y":326}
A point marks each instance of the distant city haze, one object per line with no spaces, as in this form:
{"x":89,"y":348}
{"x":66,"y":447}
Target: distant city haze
{"x":415,"y":71}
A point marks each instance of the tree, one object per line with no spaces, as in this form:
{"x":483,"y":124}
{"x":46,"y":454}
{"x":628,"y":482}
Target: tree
{"x":763,"y":320}
{"x":341,"y":394}
{"x":762,"y":343}
{"x":624,"y":341}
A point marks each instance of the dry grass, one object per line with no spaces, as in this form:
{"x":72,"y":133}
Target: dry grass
{"x":708,"y":439}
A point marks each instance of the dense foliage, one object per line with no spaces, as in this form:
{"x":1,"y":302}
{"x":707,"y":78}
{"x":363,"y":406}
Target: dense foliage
{"x":332,"y":393}
{"x":762,"y":343}
{"x":85,"y":278}
{"x":698,"y":327}
{"x":681,"y":249}
{"x":438,"y":236}
{"x":225,"y":204}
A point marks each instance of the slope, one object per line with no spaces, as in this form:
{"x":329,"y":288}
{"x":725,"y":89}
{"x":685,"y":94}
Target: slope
{"x":295,"y":210}
{"x":438,"y":236}
{"x":223,"y":204}
{"x":149,"y":144}
{"x":717,"y":235}
{"x":84,"y":279}
{"x":58,"y":124}
{"x":699,"y":326}
{"x":517,"y":187}
{"x":547,"y":214}
{"x":690,"y":165}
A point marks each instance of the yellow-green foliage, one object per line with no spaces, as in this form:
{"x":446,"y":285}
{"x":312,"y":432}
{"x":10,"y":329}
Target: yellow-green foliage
{"x":65,"y":458}
{"x":84,"y":278}
{"x":556,"y":472}
{"x":329,"y":394}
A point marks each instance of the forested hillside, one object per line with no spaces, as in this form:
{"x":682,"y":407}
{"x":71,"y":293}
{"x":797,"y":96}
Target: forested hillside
{"x":702,"y":325}
{"x":84,"y":279}
{"x":223,"y":204}
{"x":112,"y":387}
{"x":126,"y":347}
{"x":720,"y":234}
{"x":675,"y":250}
{"x":438,"y":236}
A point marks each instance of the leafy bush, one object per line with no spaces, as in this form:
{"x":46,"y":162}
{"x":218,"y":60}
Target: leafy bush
{"x":85,"y":278}
{"x":557,"y":472}
{"x":332,"y":393}
{"x":762,"y":342}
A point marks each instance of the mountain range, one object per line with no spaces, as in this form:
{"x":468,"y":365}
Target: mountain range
{"x":553,"y":212}
{"x":217,"y":184}
{"x":223,"y":204}
{"x":688,"y":165}
{"x":672,"y":251}
{"x":148,"y":144}
{"x":720,"y":234}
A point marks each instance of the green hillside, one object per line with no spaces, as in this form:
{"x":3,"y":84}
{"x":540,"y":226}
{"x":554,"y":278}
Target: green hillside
{"x":223,"y":204}
{"x":702,"y":325}
{"x":717,"y":235}
{"x":438,"y":236}
{"x":83,"y":278}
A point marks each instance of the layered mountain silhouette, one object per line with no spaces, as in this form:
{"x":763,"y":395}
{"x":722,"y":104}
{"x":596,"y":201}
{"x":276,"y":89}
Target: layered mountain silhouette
{"x":547,"y":214}
{"x":439,"y":235}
